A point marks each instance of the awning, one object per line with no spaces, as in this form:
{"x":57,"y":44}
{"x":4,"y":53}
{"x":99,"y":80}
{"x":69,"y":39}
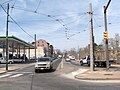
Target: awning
{"x":15,"y":43}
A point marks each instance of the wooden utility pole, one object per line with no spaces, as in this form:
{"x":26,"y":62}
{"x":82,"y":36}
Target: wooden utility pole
{"x":7,"y":37}
{"x":91,"y":39}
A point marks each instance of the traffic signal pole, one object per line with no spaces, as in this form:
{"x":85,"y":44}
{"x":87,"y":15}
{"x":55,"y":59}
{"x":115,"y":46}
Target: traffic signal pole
{"x":106,"y":39}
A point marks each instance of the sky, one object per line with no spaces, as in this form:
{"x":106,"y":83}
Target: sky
{"x":62,"y":23}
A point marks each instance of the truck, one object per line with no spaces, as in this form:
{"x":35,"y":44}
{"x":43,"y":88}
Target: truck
{"x":97,"y":63}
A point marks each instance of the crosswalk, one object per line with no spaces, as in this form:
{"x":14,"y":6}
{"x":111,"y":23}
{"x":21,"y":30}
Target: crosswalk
{"x":15,"y":74}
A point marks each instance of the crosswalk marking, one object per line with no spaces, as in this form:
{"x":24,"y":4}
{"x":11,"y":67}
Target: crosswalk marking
{"x":17,"y":75}
{"x":20,"y":72}
{"x":2,"y":76}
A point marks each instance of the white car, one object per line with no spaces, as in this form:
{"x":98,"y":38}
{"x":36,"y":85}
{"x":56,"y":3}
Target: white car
{"x":67,"y":59}
{"x":43,"y":63}
{"x":18,"y":60}
{"x":3,"y":60}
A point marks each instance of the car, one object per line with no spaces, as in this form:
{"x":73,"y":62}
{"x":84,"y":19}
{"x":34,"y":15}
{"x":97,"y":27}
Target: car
{"x":18,"y":60}
{"x":67,"y":59}
{"x":43,"y":63}
{"x":3,"y":60}
{"x":86,"y":60}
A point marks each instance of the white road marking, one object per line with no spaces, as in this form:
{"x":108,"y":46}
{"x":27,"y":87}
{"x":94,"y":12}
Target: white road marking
{"x":19,"y":72}
{"x":17,"y":75}
{"x":2,"y":76}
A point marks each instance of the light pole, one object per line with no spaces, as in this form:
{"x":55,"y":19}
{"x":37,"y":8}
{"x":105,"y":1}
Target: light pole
{"x":35,"y":47}
{"x":7,"y":36}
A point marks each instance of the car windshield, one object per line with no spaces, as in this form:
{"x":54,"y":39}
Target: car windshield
{"x":43,"y":59}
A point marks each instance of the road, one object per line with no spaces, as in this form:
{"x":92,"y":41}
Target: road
{"x":27,"y":79}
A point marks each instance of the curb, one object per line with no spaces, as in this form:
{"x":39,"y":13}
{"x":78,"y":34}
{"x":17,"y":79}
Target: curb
{"x":84,"y":78}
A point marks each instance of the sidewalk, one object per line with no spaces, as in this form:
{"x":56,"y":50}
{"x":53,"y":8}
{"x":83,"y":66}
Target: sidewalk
{"x":100,"y":74}
{"x":15,"y":67}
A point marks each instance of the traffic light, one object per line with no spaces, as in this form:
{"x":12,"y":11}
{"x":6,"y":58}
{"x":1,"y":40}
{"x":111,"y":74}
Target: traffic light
{"x":105,"y":35}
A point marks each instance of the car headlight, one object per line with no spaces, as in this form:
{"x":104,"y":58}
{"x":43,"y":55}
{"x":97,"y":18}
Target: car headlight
{"x":36,"y":65}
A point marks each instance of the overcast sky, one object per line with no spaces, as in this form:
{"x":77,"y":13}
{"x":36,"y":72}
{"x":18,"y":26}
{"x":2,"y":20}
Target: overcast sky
{"x":63,"y":23}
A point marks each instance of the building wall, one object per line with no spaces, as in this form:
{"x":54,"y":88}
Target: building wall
{"x":41,"y":43}
{"x":39,"y":52}
{"x":41,"y":46}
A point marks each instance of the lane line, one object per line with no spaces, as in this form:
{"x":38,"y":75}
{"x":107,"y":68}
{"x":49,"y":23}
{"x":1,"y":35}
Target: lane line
{"x":6,"y":75}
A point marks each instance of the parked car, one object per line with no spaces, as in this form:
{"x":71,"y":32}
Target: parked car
{"x":18,"y":60}
{"x":86,"y":60}
{"x":3,"y":60}
{"x":43,"y":63}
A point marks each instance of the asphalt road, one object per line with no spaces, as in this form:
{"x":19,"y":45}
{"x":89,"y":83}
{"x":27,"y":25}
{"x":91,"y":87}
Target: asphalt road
{"x":26,"y":79}
{"x":4,"y":65}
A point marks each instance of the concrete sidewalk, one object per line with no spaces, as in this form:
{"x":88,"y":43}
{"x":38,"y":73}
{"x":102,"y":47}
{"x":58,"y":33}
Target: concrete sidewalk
{"x":15,"y":67}
{"x":100,"y":74}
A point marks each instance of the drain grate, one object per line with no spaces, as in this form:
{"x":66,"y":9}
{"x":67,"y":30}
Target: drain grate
{"x":108,"y":74}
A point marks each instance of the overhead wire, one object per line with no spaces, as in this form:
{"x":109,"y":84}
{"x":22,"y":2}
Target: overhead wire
{"x":75,"y":19}
{"x":6,"y":2}
{"x":13,"y":5}
{"x":75,"y":34}
{"x":69,"y":36}
{"x":60,"y":21}
{"x":47,"y":15}
{"x":96,"y":22}
{"x":16,"y":22}
{"x":38,"y":5}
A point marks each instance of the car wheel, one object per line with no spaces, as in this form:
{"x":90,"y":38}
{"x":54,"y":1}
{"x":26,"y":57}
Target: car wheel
{"x":81,"y":63}
{"x":36,"y":70}
{"x":51,"y":68}
{"x":10,"y":62}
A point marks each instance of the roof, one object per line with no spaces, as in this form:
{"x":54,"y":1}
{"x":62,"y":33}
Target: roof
{"x":12,"y":40}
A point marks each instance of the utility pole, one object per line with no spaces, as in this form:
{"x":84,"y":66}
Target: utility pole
{"x":106,"y":40}
{"x":91,"y":39}
{"x":7,"y":37}
{"x":35,"y":47}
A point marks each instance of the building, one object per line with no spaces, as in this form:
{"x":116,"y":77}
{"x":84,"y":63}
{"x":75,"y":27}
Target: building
{"x":41,"y":49}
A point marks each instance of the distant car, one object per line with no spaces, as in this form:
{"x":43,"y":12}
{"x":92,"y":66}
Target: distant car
{"x":43,"y":63}
{"x":3,"y":60}
{"x":67,"y":59}
{"x":72,"y":58}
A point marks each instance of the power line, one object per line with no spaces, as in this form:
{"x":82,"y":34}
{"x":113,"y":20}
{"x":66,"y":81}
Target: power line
{"x":75,"y":34}
{"x":60,"y":21}
{"x":13,"y":5}
{"x":47,"y":15}
{"x":6,"y":2}
{"x":16,"y":22}
{"x":38,"y":5}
